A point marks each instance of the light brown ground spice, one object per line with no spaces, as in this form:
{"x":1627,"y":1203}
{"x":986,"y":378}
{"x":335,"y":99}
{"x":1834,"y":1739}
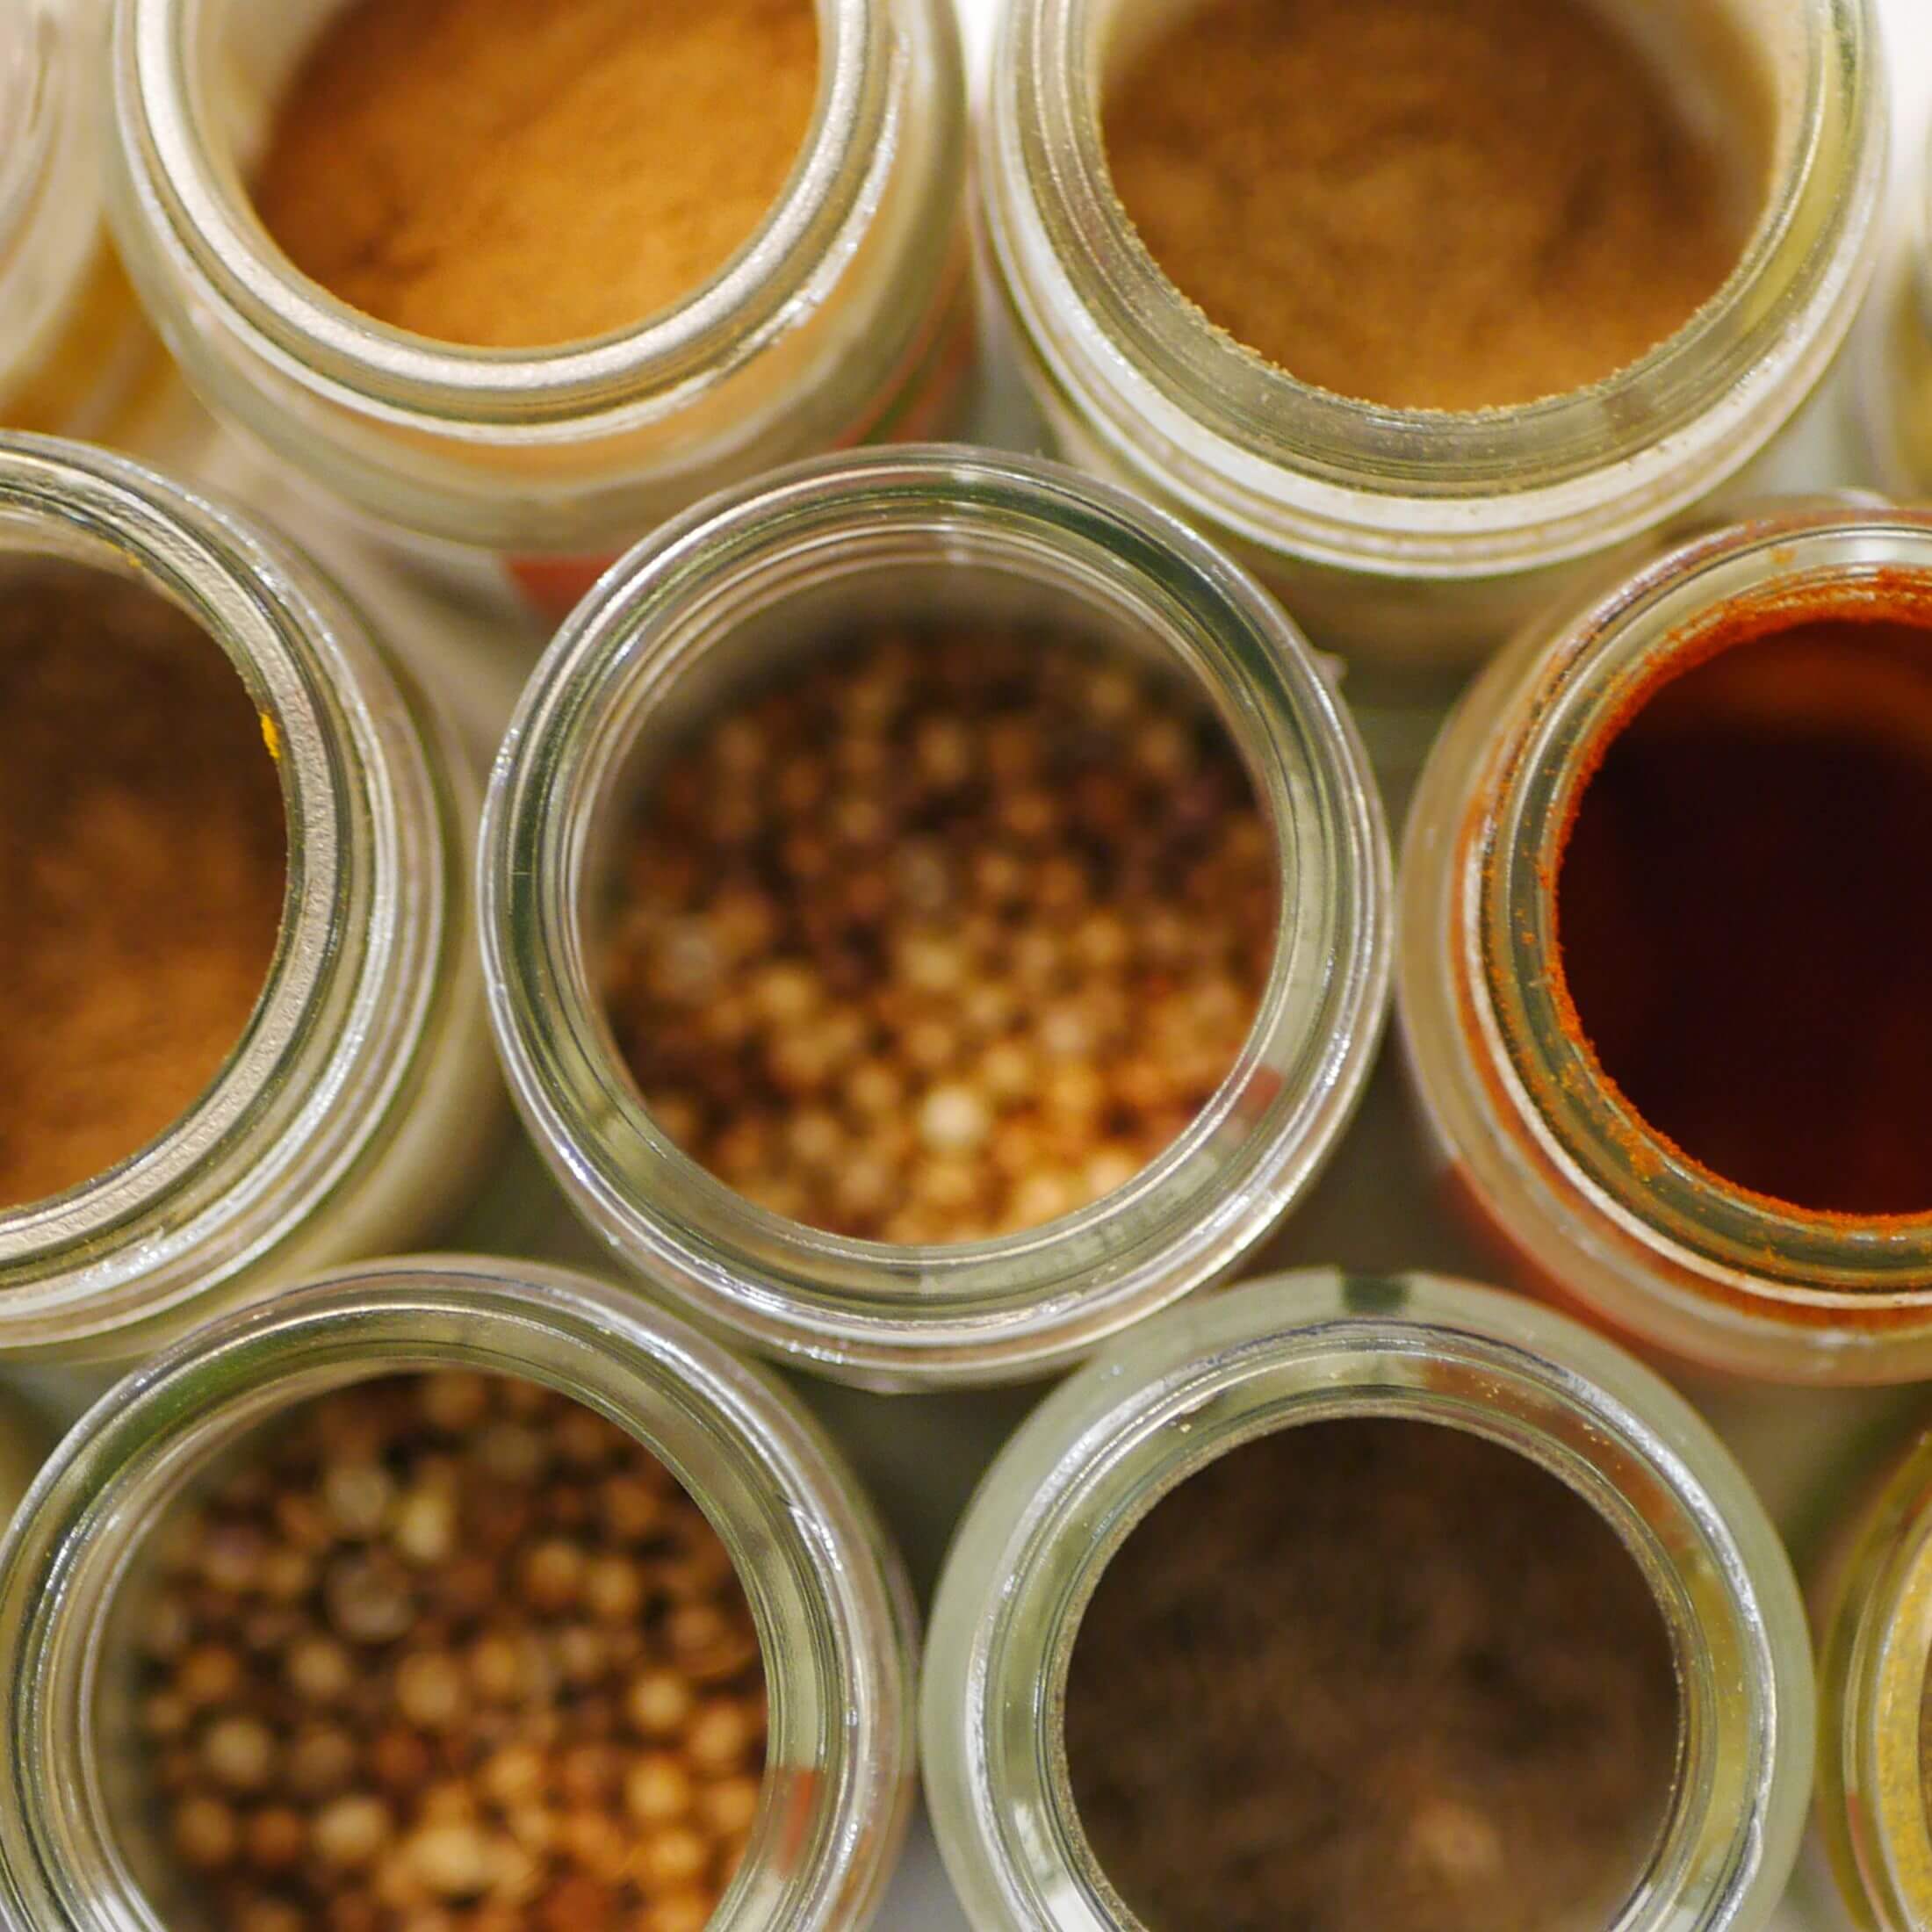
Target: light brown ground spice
{"x":522,"y":173}
{"x":944,"y":938}
{"x":142,"y":848}
{"x":1421,"y":204}
{"x":453,"y":1652}
{"x":1371,"y":1676}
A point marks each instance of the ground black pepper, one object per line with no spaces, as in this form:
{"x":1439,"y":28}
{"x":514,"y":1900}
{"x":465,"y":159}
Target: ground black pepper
{"x":1371,"y":1676}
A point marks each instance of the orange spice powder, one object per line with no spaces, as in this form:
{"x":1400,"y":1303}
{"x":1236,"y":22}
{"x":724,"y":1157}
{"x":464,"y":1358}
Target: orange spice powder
{"x":524,"y":173}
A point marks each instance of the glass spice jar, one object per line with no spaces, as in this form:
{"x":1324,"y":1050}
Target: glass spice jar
{"x":1536,"y":1144}
{"x":833,"y":1616}
{"x":763,"y":577}
{"x":1321,"y":1347}
{"x":848,"y":317}
{"x":76,"y":357}
{"x":1417,"y":540}
{"x":358,"y":1107}
{"x":1871,"y":1604}
{"x":1895,"y":368}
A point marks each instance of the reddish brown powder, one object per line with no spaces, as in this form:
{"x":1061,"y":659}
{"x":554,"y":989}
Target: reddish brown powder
{"x":1372,"y":1676}
{"x":1419,"y":204}
{"x":141,"y":852}
{"x":1745,"y":915}
{"x":516,"y":173}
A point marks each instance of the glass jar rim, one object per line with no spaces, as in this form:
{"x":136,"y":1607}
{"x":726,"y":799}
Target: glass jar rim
{"x":1005,"y":1305}
{"x":1321,"y":1345}
{"x":1875,"y":1663}
{"x":1789,"y":567}
{"x":1371,"y":483}
{"x":345,"y":992}
{"x":802,"y":1538}
{"x":515,"y":397}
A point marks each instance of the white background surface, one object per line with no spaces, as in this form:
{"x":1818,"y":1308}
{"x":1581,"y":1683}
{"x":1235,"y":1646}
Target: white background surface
{"x":1373,"y":1211}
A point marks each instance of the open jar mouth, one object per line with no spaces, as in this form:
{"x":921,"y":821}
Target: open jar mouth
{"x":832,"y":1623}
{"x":168,"y":76}
{"x":1754,"y":581}
{"x":150,"y":1231}
{"x":1069,"y":250}
{"x":911,"y":534}
{"x":1159,"y":1407}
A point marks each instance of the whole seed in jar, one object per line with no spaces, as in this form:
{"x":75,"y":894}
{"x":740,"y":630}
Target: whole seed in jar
{"x":944,"y":937}
{"x":452,"y":1652}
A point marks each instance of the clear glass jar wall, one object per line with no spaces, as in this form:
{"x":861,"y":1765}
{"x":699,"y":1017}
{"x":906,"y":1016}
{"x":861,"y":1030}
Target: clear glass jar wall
{"x":1417,"y":541}
{"x":1583,"y":1196}
{"x":76,"y":357}
{"x":833,"y":1616}
{"x":1871,"y":1604}
{"x":1896,"y":351}
{"x":354,"y":1112}
{"x":762,"y":577}
{"x":1159,"y":1405}
{"x":846,"y":317}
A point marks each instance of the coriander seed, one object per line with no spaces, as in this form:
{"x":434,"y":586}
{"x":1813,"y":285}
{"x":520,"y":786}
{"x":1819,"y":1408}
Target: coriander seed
{"x":923,"y":944}
{"x":577,"y":1743}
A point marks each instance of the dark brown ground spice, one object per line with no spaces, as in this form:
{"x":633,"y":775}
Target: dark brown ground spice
{"x":1745,"y":915}
{"x":1423,"y":205}
{"x":142,"y":848}
{"x":1371,"y":1676}
{"x":945,"y":937}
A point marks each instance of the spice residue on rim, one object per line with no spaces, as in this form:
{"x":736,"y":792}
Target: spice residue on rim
{"x":944,"y":937}
{"x":450,"y":1650}
{"x":504,"y":174}
{"x":1371,"y":1676}
{"x":1424,"y":206}
{"x":141,"y":870}
{"x":1744,"y":909}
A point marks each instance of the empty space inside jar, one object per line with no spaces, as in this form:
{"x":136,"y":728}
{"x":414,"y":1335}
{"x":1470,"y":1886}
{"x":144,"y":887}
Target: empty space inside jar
{"x":1447,"y":208}
{"x":432,"y":1643}
{"x":1744,"y":904}
{"x":1373,"y":1673}
{"x":932,"y":904}
{"x":143,"y":867}
{"x":482,"y":174}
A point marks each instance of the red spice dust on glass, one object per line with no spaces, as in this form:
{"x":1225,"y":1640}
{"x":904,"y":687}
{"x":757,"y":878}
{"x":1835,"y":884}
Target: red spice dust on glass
{"x":1744,"y":904}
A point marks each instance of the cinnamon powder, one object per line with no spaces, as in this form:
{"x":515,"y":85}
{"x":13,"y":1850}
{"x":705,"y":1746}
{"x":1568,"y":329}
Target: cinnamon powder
{"x":142,"y":848}
{"x":1371,"y":1676}
{"x":1744,"y":912}
{"x":523,"y":173}
{"x":1426,"y":204}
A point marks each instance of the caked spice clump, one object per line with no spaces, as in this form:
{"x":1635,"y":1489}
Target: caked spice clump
{"x":142,"y":849}
{"x":451,"y":1654}
{"x":946,"y":937}
{"x":1371,"y":1676}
